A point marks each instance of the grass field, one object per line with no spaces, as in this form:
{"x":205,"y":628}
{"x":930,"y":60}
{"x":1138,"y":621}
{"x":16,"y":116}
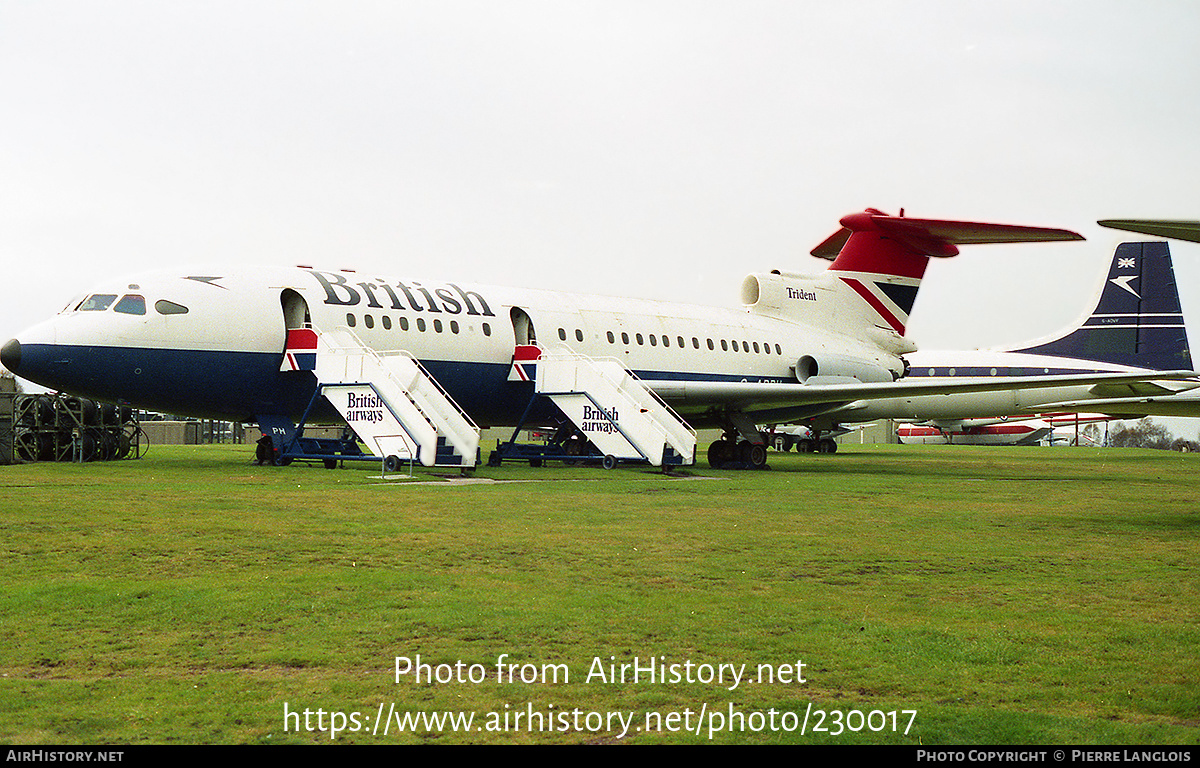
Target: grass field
{"x":1007,"y":596}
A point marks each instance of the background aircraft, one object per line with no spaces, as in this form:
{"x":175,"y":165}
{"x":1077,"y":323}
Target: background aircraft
{"x":1179,"y":230}
{"x":1137,"y":324}
{"x":1057,"y":428}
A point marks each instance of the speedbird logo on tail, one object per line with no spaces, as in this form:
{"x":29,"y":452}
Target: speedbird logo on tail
{"x":1123,"y":282}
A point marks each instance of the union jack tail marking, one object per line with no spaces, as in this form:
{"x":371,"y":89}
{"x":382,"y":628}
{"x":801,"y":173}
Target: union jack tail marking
{"x":300,"y":353}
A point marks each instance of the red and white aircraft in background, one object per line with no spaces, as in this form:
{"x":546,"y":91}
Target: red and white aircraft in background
{"x":1053,"y":428}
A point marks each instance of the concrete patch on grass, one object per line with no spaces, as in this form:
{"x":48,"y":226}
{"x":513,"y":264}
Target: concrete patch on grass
{"x":458,"y":481}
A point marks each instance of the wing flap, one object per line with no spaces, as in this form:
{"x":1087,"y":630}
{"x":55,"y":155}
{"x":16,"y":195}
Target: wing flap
{"x":755,"y":395}
{"x":1142,"y":388}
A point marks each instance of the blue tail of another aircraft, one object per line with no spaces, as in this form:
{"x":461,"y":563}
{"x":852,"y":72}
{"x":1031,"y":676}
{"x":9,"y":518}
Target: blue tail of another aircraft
{"x":1138,"y":321}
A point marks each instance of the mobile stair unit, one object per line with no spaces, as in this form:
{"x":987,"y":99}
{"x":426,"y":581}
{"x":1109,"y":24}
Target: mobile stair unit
{"x":392,"y":404}
{"x":616,"y":417}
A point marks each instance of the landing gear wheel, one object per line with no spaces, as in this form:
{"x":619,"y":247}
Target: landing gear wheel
{"x":264,"y":451}
{"x":573,"y":447}
{"x":826,"y":446}
{"x":720,"y":453}
{"x":782,"y":443}
{"x":754,"y":454}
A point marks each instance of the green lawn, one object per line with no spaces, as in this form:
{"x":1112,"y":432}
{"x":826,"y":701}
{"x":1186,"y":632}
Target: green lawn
{"x":1008,"y":596}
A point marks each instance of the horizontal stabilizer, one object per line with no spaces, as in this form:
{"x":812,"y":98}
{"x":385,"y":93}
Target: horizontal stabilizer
{"x":934,"y":237}
{"x":1180,"y":230}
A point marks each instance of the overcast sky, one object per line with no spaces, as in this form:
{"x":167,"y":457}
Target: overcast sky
{"x":658,"y":149}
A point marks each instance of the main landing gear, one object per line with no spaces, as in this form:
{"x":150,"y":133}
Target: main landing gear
{"x":731,"y":453}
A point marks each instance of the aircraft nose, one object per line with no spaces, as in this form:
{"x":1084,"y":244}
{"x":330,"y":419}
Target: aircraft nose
{"x":10,"y":355}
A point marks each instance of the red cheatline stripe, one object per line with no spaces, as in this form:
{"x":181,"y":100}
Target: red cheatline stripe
{"x":301,"y":338}
{"x":875,"y":303}
{"x":1011,"y":429}
{"x":527,"y":352}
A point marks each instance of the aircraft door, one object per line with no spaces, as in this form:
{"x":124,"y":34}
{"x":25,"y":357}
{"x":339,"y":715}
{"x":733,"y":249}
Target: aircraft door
{"x":295,"y":310}
{"x":525,"y":349}
{"x":523,"y":332}
{"x":300,"y":341}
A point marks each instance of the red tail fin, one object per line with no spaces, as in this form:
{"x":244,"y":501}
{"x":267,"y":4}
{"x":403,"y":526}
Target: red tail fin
{"x":873,"y":241}
{"x":884,"y":257}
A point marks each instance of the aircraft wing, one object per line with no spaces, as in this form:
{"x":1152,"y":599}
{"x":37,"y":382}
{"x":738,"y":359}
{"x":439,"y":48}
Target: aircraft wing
{"x":1179,"y":230}
{"x":752,"y":396}
{"x":1136,"y":407}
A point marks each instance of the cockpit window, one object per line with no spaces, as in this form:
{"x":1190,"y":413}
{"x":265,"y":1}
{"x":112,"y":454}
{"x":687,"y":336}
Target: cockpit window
{"x":131,"y":304}
{"x":97,"y":302}
{"x":164,"y":307}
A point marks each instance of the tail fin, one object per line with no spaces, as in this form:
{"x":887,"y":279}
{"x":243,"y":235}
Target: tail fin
{"x":883,"y":258}
{"x":1137,"y":322}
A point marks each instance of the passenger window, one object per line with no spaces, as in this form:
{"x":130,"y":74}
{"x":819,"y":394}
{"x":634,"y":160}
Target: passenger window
{"x":562,"y":334}
{"x":164,"y":307}
{"x":578,"y":335}
{"x":350,"y":321}
{"x":131,"y":305}
{"x":97,"y":302}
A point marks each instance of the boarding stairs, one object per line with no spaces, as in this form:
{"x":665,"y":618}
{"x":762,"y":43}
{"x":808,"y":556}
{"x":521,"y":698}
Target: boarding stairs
{"x":393,"y":404}
{"x":613,"y":409}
